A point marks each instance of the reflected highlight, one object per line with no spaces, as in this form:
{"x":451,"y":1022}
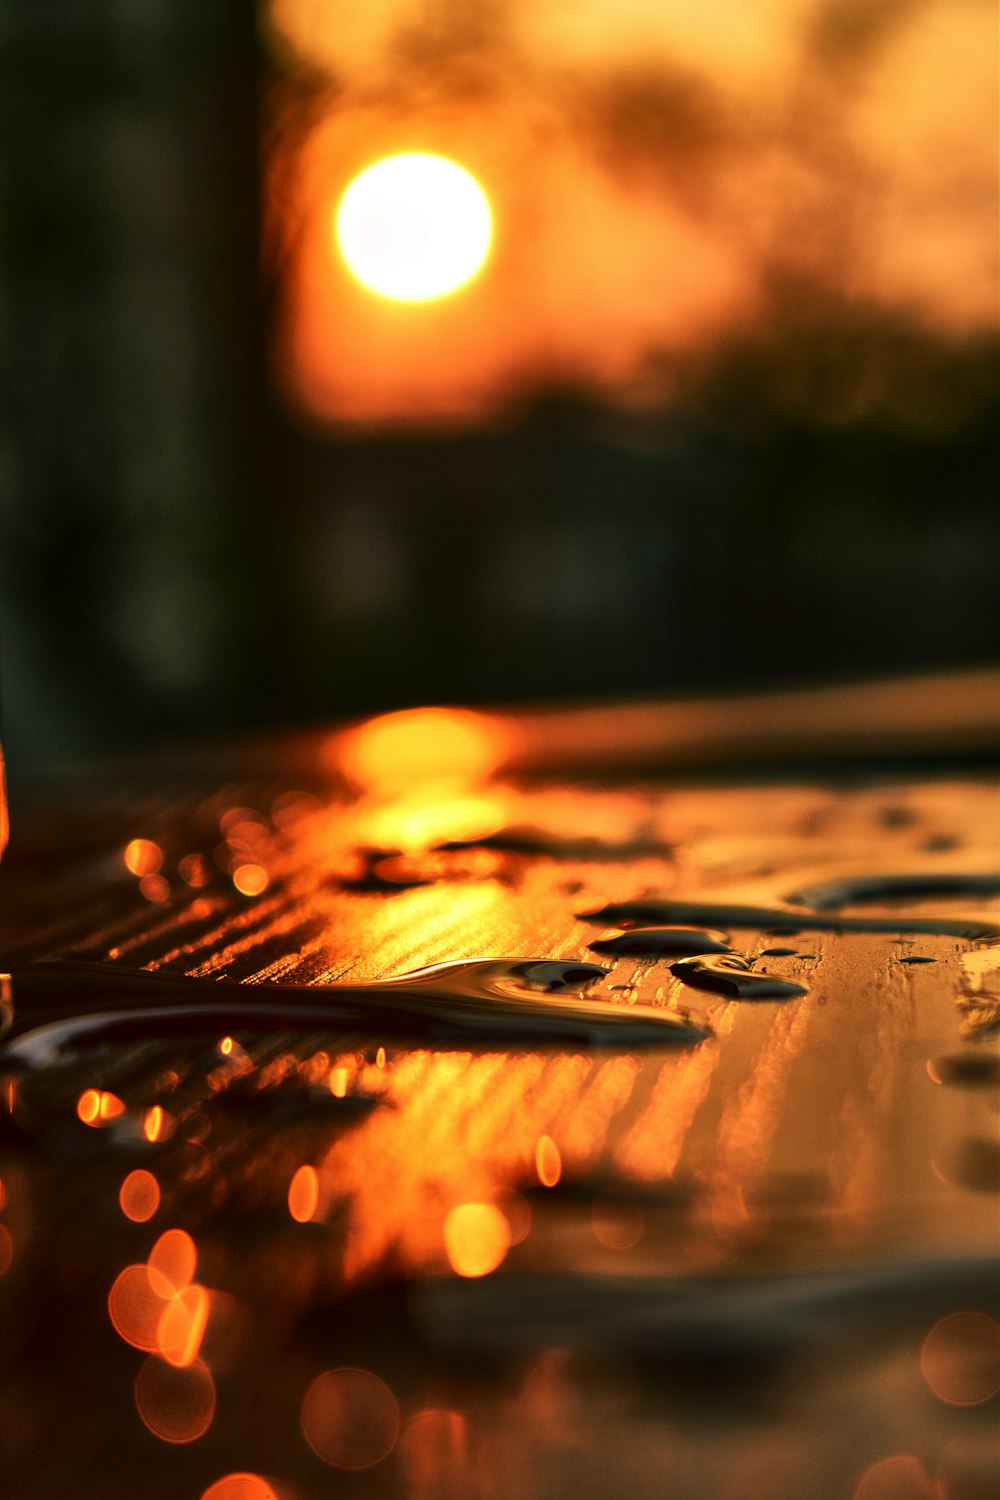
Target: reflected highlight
{"x":548,"y":1161}
{"x":421,"y":745}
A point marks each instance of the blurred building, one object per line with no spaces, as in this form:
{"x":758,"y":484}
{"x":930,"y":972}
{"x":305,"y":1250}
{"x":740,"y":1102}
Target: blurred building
{"x":719,"y":412}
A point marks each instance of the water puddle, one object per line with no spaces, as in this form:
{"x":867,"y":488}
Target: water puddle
{"x":660,"y":942}
{"x":74,"y":1005}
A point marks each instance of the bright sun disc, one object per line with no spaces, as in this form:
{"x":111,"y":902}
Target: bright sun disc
{"x":414,"y":227}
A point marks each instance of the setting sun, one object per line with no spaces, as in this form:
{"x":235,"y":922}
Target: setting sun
{"x":414,"y":227}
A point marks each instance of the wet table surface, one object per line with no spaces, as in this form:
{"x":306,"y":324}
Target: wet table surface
{"x":748,"y":1249}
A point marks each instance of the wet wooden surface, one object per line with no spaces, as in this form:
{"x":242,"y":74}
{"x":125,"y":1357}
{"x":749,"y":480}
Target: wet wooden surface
{"x":695,"y":1254}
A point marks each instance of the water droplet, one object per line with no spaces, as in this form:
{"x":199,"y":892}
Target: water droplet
{"x":656,"y":942}
{"x":732,"y":976}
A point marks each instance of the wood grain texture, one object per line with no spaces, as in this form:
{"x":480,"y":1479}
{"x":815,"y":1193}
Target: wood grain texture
{"x":832,"y":1135}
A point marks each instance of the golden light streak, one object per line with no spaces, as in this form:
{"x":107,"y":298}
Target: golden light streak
{"x":182,"y":1325}
{"x":414,"y":227}
{"x":548,"y":1161}
{"x":155,"y":1124}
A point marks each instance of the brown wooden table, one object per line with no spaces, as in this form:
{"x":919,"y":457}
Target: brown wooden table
{"x":756,"y":1261}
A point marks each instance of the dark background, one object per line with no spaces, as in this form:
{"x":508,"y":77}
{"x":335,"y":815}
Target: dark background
{"x":183,"y":555}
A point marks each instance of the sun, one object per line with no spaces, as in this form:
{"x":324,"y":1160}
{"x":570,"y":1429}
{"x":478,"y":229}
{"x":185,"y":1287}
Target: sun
{"x":414,"y":227}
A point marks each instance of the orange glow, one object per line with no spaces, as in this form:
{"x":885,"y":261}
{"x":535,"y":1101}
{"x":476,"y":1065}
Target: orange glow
{"x":155,"y":888}
{"x":97,"y":1108}
{"x":193,"y":871}
{"x":414,"y":227}
{"x":476,"y":1238}
{"x":139,"y":1196}
{"x":173,"y":1260}
{"x":303,"y":1195}
{"x":548,"y":1162}
{"x":176,"y":1404}
{"x":143,"y":857}
{"x":250,"y":879}
{"x":960,"y":1359}
{"x":6,"y":1250}
{"x":155,"y":1124}
{"x":420,"y":745}
{"x":901,"y":1477}
{"x":380,"y":1058}
{"x":425,"y":817}
{"x":239,"y":1487}
{"x":603,"y":215}
{"x":617,"y":1220}
{"x":338,"y":1080}
{"x":433,"y":1453}
{"x":182,"y":1325}
{"x":135,"y":1307}
{"x":350,"y":1418}
{"x":226,"y":1046}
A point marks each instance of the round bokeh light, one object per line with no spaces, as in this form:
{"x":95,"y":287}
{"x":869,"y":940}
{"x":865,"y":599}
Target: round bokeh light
{"x":414,"y":227}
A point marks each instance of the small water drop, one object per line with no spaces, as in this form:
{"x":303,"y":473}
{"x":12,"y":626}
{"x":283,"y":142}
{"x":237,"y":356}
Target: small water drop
{"x":657,"y":942}
{"x":732,"y":976}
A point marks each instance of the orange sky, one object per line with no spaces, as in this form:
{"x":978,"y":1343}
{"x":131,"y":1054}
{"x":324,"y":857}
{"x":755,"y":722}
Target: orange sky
{"x":651,"y":168}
